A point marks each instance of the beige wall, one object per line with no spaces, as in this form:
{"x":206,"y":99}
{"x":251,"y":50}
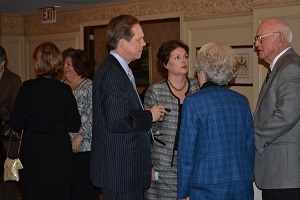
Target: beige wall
{"x":19,"y":50}
{"x":63,"y":41}
{"x":14,"y":47}
{"x":233,"y":31}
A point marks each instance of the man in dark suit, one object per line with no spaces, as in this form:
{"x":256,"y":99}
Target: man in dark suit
{"x":121,"y":144}
{"x":277,"y":115}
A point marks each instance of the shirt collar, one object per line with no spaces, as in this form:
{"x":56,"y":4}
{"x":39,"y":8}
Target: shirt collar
{"x":277,"y":57}
{"x":121,"y":61}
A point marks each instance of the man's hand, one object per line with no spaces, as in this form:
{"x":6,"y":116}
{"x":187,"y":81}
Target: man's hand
{"x":158,"y":113}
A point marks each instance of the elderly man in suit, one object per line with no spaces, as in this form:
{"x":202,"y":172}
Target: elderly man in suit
{"x":216,"y":145}
{"x":121,"y":144}
{"x":277,"y":115}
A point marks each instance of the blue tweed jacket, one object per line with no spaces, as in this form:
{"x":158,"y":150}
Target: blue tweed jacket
{"x":216,"y":142}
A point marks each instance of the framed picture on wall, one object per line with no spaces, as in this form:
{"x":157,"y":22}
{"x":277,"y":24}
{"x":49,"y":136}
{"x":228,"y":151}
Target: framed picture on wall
{"x":142,"y":68}
{"x":245,"y":61}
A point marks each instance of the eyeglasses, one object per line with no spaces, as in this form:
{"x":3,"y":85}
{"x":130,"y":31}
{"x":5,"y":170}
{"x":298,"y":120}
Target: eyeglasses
{"x":260,"y":37}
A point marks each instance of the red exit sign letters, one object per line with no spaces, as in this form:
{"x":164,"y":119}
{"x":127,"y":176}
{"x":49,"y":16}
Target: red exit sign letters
{"x":48,"y":15}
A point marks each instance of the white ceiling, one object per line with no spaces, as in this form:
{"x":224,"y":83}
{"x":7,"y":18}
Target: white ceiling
{"x":24,"y":7}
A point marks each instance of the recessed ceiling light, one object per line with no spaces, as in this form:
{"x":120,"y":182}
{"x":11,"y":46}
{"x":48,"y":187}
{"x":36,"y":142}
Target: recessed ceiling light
{"x":48,"y":7}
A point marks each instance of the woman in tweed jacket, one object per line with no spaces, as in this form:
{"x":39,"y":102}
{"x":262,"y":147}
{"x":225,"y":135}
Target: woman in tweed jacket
{"x":77,"y":73}
{"x":170,"y":93}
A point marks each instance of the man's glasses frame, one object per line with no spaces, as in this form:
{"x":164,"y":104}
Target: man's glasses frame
{"x":260,"y":37}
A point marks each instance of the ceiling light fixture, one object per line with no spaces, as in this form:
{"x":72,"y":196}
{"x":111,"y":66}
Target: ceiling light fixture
{"x":49,"y":7}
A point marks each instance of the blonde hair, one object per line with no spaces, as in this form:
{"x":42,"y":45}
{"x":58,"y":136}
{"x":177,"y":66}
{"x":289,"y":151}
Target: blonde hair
{"x":218,"y":62}
{"x":47,"y":60}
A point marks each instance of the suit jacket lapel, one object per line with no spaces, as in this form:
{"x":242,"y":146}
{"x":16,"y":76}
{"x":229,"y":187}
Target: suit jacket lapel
{"x":128,"y":82}
{"x":265,"y":86}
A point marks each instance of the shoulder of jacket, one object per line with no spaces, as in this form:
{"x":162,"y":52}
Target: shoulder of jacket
{"x":158,"y":85}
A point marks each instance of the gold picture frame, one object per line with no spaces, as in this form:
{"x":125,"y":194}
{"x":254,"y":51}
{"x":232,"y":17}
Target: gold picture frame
{"x":245,"y":72}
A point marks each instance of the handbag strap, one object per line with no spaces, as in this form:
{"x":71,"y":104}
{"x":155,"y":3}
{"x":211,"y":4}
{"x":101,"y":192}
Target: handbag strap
{"x":19,"y":143}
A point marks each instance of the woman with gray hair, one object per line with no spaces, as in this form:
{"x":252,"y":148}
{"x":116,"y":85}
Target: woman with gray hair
{"x":216,"y":144}
{"x":216,"y":63}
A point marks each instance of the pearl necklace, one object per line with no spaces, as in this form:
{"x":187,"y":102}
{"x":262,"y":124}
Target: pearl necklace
{"x":178,"y":90}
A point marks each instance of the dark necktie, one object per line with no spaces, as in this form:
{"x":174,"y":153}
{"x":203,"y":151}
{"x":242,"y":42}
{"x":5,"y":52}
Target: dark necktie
{"x":268,"y":74}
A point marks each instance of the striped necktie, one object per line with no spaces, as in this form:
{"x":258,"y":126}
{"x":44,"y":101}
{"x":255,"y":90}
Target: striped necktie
{"x":268,"y":74}
{"x":131,"y":78}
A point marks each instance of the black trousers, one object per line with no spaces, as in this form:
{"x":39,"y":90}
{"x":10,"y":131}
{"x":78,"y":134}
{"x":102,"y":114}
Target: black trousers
{"x":281,"y":194}
{"x":51,"y":192}
{"x":82,"y":188}
{"x":113,"y":195}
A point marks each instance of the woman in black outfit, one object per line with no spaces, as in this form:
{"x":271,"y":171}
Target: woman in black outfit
{"x":46,"y":110}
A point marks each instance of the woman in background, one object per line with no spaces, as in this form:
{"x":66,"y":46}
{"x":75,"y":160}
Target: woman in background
{"x":9,"y":87}
{"x":46,"y":110}
{"x":174,"y":58}
{"x":216,"y":145}
{"x":77,"y":73}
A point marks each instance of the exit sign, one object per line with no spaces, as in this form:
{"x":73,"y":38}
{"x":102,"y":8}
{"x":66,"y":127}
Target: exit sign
{"x":48,"y":15}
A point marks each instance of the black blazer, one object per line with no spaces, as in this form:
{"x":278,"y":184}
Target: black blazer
{"x":121,"y":144}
